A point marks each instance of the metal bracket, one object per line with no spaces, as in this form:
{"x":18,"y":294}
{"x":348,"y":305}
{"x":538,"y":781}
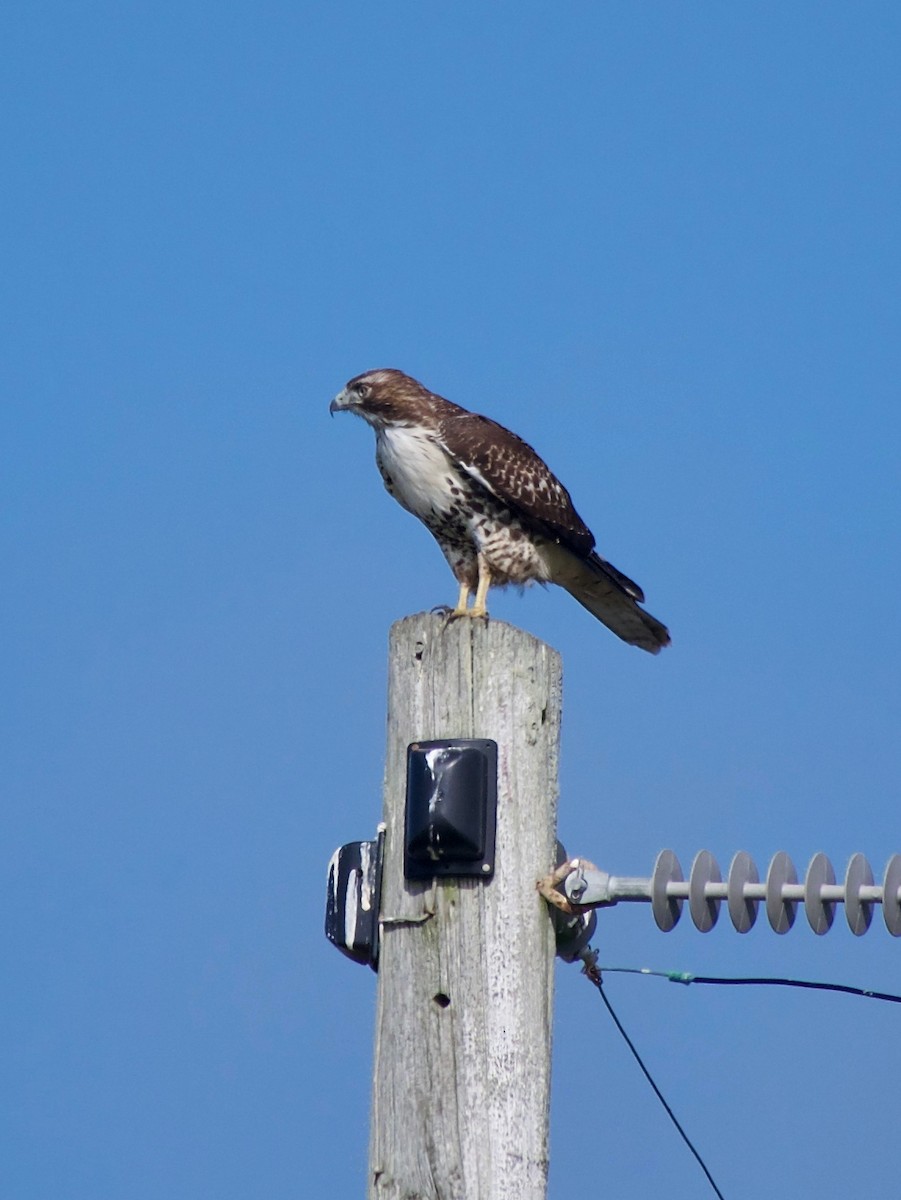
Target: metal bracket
{"x":574,"y":925}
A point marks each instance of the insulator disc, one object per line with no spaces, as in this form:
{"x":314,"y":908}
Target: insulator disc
{"x":667,"y":909}
{"x":891,"y":906}
{"x":741,"y":871}
{"x":780,"y":913}
{"x":859,"y":912}
{"x":704,"y":911}
{"x":820,"y":912}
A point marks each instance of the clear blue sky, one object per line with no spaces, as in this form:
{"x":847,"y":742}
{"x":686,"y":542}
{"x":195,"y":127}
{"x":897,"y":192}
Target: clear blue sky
{"x":662,"y":243}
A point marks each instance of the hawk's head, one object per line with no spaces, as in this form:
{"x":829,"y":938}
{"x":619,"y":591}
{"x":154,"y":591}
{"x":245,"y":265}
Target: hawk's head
{"x":384,"y":398}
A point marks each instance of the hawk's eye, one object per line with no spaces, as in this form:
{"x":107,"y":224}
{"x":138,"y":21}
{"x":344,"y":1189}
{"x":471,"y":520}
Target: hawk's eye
{"x":362,"y":390}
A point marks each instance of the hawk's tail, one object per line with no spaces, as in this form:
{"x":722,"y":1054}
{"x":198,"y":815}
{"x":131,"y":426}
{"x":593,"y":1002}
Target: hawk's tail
{"x":608,"y":595}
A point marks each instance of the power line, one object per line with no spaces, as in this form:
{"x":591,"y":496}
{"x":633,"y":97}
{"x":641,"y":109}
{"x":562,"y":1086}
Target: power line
{"x":594,"y":975}
{"x":686,"y":977}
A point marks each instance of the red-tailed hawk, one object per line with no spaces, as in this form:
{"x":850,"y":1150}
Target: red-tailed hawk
{"x":491,"y":503}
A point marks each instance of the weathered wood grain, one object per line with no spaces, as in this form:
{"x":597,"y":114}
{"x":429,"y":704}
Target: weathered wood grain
{"x":463,"y":1026}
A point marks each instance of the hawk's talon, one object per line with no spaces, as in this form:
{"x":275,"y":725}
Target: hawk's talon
{"x":454,"y":614}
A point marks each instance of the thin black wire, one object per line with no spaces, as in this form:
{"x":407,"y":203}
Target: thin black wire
{"x":595,"y":977}
{"x":686,"y":977}
{"x":803,"y":983}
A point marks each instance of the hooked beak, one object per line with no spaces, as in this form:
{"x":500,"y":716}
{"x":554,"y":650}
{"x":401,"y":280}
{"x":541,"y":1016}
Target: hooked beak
{"x":343,"y":400}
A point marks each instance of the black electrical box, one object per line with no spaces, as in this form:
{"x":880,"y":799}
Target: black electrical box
{"x":451,"y":811}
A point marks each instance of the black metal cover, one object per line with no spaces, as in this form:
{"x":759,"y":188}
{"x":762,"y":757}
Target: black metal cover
{"x":451,"y":812}
{"x":352,"y":900}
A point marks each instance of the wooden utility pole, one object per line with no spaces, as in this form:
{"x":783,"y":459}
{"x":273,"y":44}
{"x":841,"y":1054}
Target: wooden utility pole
{"x":465,"y":986}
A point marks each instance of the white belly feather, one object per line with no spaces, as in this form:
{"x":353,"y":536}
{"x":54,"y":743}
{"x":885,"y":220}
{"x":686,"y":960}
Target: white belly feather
{"x":422,"y":478}
{"x":420,"y":472}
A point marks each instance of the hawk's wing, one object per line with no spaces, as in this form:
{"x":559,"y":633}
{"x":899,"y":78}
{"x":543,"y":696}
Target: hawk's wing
{"x":510,"y":469}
